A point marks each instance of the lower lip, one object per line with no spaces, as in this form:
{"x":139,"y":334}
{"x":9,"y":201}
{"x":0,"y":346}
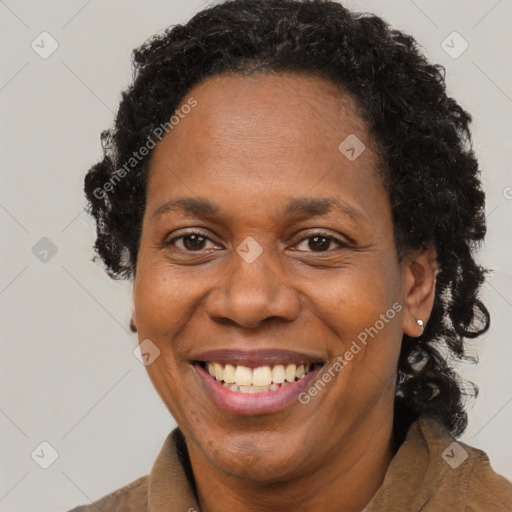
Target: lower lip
{"x":254,"y":403}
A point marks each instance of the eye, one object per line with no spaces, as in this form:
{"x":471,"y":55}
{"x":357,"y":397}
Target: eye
{"x":195,"y":241}
{"x":320,"y":242}
{"x":191,"y":242}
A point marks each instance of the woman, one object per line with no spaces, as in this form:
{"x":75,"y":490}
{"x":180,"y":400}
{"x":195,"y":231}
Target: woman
{"x":297,"y":203}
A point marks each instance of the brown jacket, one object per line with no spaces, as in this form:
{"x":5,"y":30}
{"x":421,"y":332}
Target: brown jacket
{"x":429,"y":473}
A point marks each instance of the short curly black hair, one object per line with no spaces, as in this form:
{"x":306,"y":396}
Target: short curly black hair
{"x":423,"y":137}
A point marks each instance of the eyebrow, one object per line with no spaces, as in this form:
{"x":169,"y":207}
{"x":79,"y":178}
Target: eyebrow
{"x":300,"y":207}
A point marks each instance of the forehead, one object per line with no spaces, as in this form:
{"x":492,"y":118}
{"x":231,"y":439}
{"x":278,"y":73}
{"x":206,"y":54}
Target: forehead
{"x":271,"y":135}
{"x":294,"y":107}
{"x":305,"y":95}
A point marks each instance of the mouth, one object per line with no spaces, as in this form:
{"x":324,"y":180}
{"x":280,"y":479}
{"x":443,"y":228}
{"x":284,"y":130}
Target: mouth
{"x":261,"y":379}
{"x":255,"y":382}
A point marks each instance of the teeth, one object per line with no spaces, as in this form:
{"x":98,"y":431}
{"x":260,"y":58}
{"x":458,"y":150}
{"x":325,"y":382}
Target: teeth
{"x":289,"y":373}
{"x":278,"y":374}
{"x":262,"y":376}
{"x":229,"y":374}
{"x":247,"y":389}
{"x":252,"y":389}
{"x":219,"y":373}
{"x":243,"y":376}
{"x":255,"y":380}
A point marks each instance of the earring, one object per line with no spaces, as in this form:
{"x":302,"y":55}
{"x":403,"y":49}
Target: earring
{"x":420,"y":323}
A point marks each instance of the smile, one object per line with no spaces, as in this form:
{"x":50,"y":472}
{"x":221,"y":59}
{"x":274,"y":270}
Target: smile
{"x":255,"y":383}
{"x":243,"y":379}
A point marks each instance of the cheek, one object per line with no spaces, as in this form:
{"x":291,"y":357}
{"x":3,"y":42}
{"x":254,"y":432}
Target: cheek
{"x":363,"y":307}
{"x":355,"y":297}
{"x":163,"y":302}
{"x":163,"y":296}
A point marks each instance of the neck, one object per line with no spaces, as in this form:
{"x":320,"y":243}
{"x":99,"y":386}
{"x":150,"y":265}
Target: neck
{"x":345,"y":481}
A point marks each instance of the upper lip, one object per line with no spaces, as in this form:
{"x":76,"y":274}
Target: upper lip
{"x":257,"y":357}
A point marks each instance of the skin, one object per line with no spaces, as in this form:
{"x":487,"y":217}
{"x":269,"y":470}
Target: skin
{"x":250,"y":145}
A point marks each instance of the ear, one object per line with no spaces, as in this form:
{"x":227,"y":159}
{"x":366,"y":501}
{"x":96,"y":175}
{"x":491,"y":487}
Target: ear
{"x":419,"y":271}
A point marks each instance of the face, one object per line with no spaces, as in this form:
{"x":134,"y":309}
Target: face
{"x":265,"y":246}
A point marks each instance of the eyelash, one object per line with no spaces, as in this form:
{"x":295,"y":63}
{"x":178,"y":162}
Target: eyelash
{"x":322,"y":234}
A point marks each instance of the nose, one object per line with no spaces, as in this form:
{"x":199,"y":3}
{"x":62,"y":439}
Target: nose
{"x":249,"y":294}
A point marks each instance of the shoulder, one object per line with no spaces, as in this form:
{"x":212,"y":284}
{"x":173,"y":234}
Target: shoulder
{"x":487,"y":491}
{"x":467,"y":479}
{"x":130,"y":498}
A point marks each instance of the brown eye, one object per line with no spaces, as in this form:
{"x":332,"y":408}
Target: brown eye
{"x":321,"y":242}
{"x":193,"y":242}
{"x":190,"y":242}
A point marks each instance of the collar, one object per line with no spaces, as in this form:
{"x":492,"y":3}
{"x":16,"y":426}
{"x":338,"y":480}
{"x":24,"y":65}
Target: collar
{"x":412,"y":477}
{"x":170,"y":483}
{"x":416,"y":471}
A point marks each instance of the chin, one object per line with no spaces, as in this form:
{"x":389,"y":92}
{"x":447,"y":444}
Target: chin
{"x":262,"y":457}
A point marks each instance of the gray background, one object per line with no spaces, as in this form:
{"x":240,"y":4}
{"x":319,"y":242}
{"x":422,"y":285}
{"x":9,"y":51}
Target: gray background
{"x":68,"y":373}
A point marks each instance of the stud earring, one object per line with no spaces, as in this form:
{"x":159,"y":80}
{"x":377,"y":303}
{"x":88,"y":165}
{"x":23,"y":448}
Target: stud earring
{"x":420,"y":323}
